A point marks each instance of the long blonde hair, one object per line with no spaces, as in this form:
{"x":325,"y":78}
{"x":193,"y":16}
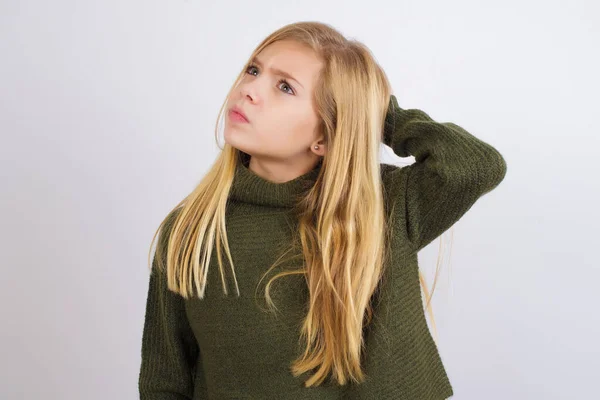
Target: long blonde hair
{"x":342,"y":229}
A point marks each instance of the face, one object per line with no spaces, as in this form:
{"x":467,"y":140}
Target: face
{"x":282,"y":121}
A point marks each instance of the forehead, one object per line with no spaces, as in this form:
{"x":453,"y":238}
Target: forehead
{"x":294,"y":58}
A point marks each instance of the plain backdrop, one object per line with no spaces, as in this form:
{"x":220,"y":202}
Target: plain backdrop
{"x":107,"y":116}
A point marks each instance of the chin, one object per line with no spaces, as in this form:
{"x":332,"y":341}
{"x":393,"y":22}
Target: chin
{"x":235,"y":141}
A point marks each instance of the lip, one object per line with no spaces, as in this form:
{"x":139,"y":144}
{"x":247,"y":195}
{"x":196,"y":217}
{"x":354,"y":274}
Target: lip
{"x":239,"y":112}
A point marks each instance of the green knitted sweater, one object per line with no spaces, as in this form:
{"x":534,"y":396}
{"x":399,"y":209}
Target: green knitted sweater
{"x":228,"y":347}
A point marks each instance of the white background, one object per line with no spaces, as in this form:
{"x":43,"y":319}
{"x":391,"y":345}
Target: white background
{"x":107,"y":116}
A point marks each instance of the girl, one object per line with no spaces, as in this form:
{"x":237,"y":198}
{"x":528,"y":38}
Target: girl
{"x":318,"y":238}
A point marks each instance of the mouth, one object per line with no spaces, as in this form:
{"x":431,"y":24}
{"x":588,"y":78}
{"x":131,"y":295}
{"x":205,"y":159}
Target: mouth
{"x":237,"y":115}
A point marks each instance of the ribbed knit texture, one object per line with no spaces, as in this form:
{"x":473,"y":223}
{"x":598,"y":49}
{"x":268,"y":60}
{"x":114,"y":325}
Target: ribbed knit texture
{"x":229,"y":347}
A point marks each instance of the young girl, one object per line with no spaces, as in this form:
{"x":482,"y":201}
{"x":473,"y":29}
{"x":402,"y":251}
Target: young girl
{"x":318,"y":239}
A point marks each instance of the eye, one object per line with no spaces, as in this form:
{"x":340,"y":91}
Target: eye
{"x":278,"y":83}
{"x":286,"y":84}
{"x":251,"y":66}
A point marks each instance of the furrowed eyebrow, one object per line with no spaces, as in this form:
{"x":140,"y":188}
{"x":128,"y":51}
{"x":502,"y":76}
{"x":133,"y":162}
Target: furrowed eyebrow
{"x":277,"y":71}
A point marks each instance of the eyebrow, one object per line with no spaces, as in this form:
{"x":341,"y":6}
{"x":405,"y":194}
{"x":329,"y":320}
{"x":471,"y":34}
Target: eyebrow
{"x":277,"y":71}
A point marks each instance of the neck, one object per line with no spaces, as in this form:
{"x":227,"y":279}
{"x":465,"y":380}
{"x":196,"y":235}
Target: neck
{"x":281,"y":172}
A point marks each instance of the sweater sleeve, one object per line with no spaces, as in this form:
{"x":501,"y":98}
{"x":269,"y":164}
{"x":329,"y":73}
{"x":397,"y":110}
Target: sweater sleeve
{"x":452,"y":169}
{"x":169,"y":348}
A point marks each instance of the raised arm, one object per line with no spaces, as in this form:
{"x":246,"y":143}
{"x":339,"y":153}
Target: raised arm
{"x":169,"y":348}
{"x":452,"y":169}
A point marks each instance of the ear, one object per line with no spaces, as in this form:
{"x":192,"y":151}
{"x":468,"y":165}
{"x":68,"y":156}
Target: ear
{"x":319,"y":147}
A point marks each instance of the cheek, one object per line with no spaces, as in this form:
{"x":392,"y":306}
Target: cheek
{"x":295,"y":129}
{"x":290,"y":136}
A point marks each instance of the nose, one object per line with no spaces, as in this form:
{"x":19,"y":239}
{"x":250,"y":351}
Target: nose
{"x":251,"y":90}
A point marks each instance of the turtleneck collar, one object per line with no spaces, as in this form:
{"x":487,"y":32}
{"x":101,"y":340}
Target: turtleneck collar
{"x":248,"y":187}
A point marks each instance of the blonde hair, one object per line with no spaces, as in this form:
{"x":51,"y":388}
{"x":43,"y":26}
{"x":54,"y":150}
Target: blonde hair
{"x":342,"y":229}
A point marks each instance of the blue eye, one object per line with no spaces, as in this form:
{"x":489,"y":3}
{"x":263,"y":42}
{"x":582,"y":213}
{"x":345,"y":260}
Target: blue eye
{"x":278,"y":82}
